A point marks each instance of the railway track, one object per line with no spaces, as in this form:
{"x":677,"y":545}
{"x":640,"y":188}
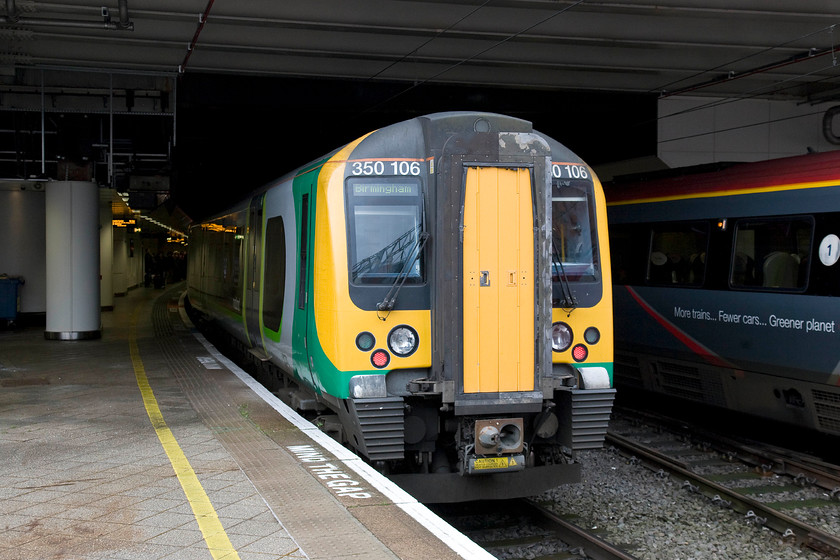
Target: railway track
{"x":529,"y":529}
{"x":743,"y":477}
{"x":593,"y":546}
{"x":526,"y":529}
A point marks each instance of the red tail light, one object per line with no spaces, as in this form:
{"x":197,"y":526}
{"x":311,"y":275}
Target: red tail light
{"x":380,"y":359}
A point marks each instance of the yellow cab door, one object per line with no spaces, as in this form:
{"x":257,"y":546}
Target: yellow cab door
{"x":498,"y":261}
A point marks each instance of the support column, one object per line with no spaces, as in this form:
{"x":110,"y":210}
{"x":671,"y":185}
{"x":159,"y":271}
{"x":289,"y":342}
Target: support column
{"x":106,"y":249}
{"x":73,"y":306}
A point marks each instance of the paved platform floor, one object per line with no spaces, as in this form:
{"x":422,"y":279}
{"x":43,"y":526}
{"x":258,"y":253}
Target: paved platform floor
{"x":147,"y":444}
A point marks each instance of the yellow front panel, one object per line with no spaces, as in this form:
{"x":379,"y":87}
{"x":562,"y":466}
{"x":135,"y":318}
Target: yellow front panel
{"x":498,"y":281}
{"x":600,"y":315}
{"x":337,"y":318}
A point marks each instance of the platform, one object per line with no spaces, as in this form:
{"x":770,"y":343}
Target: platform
{"x":150,"y":444}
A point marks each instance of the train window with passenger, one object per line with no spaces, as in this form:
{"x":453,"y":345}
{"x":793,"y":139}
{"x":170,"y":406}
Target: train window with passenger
{"x":573,"y":233}
{"x":772,"y":253}
{"x":385,"y":220}
{"x":678,"y":253}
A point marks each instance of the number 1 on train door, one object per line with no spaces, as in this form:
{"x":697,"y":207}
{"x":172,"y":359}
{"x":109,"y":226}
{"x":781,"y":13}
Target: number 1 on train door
{"x":498,"y":261}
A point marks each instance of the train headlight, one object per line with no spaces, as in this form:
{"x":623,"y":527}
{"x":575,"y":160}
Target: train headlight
{"x":592,"y":335}
{"x":561,"y":337}
{"x":402,"y":340}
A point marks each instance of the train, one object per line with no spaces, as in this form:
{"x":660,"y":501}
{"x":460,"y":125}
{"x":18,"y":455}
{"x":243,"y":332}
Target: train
{"x":435,"y":294}
{"x":726,"y":288}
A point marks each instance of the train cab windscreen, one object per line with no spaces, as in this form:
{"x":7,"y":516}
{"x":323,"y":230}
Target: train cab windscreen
{"x":573,"y":241}
{"x":385,"y":220}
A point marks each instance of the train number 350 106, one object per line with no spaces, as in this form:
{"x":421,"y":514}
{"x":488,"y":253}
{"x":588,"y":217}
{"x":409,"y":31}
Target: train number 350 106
{"x":379,"y":167}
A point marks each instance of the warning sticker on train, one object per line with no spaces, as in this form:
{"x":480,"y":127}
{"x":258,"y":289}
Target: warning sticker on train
{"x":494,"y":463}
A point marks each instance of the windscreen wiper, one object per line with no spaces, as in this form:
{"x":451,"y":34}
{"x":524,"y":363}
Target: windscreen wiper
{"x":568,"y":301}
{"x":390,"y":300}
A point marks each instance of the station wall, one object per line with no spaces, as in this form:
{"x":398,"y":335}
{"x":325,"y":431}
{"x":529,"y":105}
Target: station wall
{"x":128,"y":261}
{"x":23,"y":247}
{"x":23,"y":241}
{"x":697,"y":130}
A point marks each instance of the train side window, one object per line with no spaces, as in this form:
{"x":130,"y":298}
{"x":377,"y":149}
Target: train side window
{"x":627,"y":255}
{"x":772,"y":254}
{"x":274,"y":281}
{"x":677,"y":254}
{"x":223,"y":258}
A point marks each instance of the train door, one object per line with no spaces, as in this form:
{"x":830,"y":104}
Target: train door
{"x":498,"y":281}
{"x":304,"y":203}
{"x":254,"y":278}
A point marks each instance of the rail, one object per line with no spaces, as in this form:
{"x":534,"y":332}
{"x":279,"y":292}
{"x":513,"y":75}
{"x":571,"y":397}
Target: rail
{"x":757,"y":511}
{"x":594,"y":547}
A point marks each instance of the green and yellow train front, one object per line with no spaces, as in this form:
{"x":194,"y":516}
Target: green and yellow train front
{"x":441,"y":286}
{"x":453,"y":331}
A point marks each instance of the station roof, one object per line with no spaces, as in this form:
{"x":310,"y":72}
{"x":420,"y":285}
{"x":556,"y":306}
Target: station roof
{"x":744,"y":48}
{"x":93,"y":87}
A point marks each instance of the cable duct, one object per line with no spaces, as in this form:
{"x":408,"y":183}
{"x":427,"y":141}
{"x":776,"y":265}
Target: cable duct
{"x":123,"y":24}
{"x":202,"y":19}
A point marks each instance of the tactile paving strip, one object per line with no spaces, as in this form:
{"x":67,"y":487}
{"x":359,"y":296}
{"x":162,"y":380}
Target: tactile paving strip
{"x":323,"y":528}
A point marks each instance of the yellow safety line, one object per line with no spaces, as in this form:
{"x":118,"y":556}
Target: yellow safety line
{"x":208,"y":521}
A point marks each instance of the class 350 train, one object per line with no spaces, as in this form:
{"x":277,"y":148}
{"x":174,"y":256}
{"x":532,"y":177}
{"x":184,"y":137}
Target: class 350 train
{"x":436,"y":294}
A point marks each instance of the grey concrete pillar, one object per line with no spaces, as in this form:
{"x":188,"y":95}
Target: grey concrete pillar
{"x":73,"y":306}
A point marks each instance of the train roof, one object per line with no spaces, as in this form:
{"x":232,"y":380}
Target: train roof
{"x":443,"y":124}
{"x":811,"y":170}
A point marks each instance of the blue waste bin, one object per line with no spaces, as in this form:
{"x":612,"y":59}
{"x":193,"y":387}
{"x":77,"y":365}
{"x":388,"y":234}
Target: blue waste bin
{"x":9,"y":299}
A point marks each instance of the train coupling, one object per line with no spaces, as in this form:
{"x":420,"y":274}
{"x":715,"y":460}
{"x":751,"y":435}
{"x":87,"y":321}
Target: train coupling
{"x":498,"y":446}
